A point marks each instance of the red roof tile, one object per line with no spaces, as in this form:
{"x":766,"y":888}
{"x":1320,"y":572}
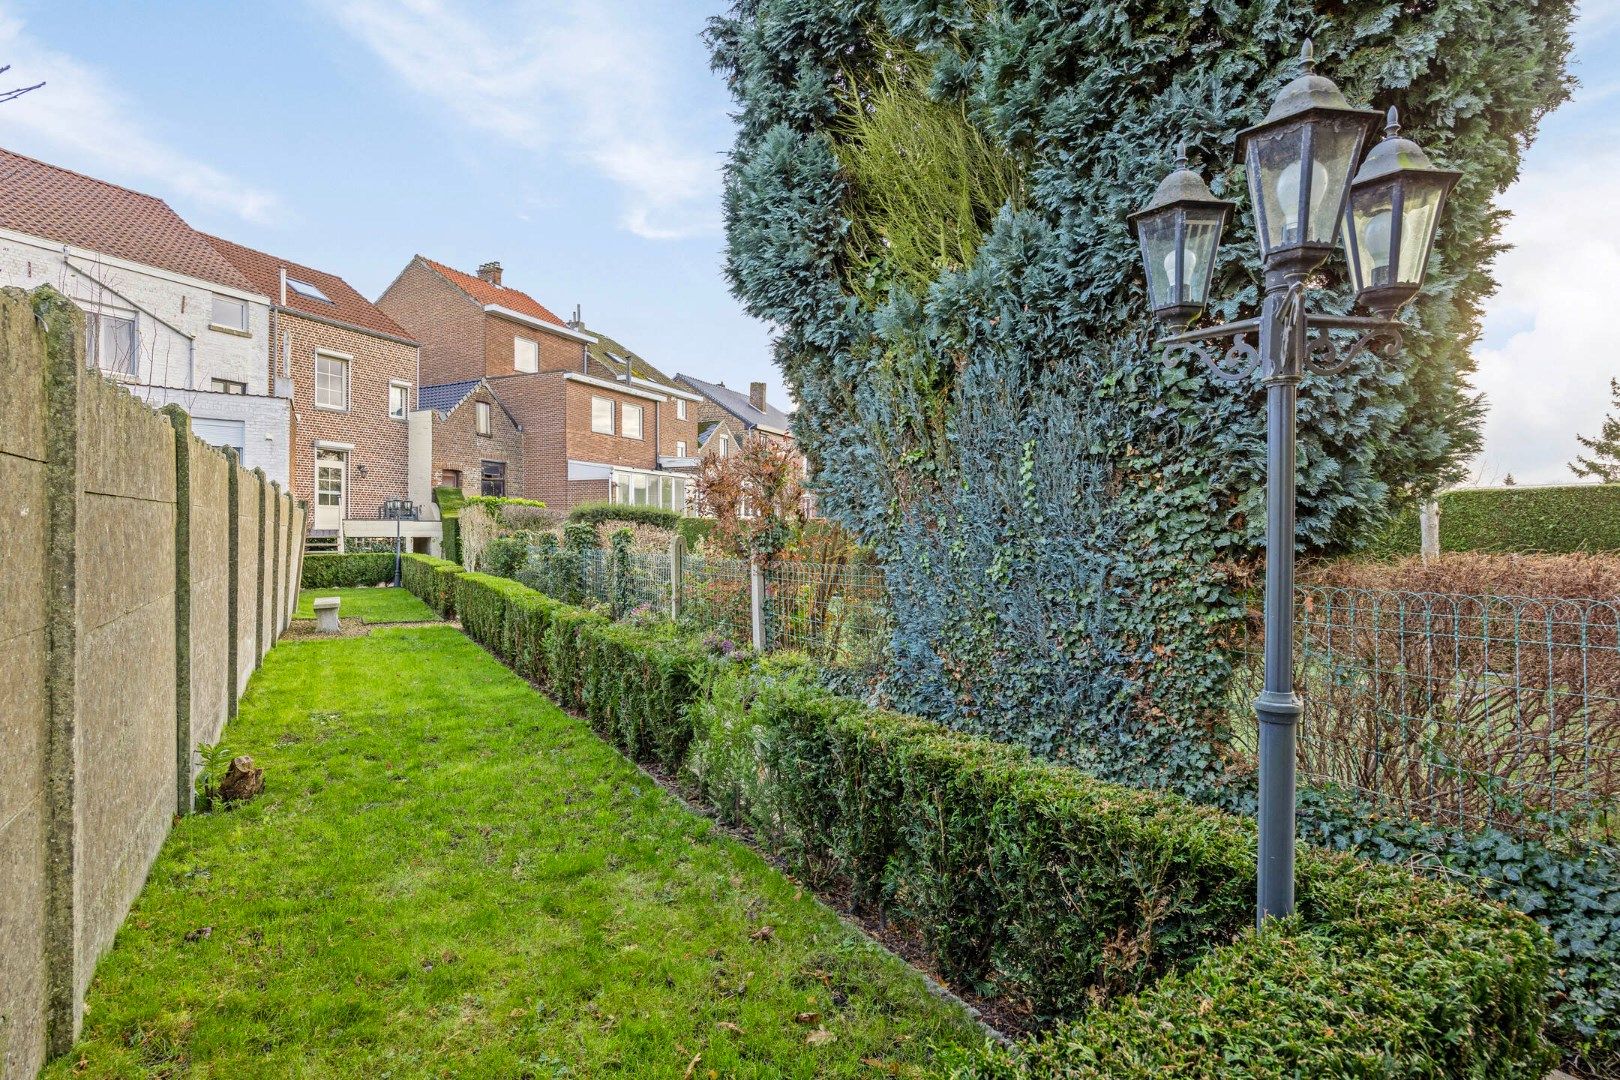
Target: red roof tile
{"x":70,"y":208}
{"x":500,"y":295}
{"x":347,"y":305}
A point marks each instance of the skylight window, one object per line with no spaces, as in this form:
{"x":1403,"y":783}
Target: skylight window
{"x":308,"y":291}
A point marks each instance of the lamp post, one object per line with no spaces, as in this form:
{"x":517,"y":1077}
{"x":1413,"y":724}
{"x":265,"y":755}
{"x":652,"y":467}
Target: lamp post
{"x":1299,"y":162}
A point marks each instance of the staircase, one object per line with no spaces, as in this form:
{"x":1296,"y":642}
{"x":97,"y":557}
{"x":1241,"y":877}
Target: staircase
{"x":323,"y":540}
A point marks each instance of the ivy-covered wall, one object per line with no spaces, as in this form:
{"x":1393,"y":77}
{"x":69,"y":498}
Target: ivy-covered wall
{"x":1066,"y":521}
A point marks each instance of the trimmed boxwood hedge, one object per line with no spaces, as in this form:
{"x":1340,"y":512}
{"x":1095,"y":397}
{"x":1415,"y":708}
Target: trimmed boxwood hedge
{"x":432,"y":580}
{"x":693,"y":530}
{"x":348,"y":571}
{"x":1517,"y":520}
{"x":1124,"y":915}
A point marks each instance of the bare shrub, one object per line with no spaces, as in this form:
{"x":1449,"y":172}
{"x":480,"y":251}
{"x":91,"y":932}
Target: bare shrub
{"x":1474,"y":690}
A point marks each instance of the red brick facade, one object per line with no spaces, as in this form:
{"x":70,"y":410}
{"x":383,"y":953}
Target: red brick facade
{"x":459,"y":451}
{"x":461,"y":340}
{"x":377,"y":462}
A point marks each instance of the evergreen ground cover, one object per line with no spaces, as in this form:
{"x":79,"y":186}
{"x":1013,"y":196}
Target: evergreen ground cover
{"x":370,"y":606}
{"x":448,"y":876}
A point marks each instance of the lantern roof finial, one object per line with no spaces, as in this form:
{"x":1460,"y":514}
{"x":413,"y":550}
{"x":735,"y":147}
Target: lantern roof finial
{"x":1307,"y":57}
{"x":1392,"y":122}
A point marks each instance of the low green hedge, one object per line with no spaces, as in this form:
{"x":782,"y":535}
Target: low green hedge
{"x":432,"y":580}
{"x":633,"y":685}
{"x":348,"y":571}
{"x":1130,"y":910}
{"x":1521,"y":520}
{"x":693,"y":530}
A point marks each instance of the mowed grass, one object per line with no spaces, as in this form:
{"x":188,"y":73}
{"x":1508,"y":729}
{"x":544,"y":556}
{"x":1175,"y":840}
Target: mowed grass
{"x":368,"y":605}
{"x":448,"y":876}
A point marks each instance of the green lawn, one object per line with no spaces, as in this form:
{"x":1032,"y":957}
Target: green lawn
{"x":448,"y":876}
{"x":368,"y":605}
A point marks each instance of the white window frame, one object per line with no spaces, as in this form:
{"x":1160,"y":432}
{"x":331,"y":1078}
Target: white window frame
{"x":518,"y":357}
{"x":404,"y":400}
{"x":723,"y":446}
{"x":343,"y":361}
{"x":97,"y":323}
{"x":595,"y":424}
{"x":483,"y":419}
{"x":680,"y":449}
{"x":214,"y":322}
{"x":227,"y":386}
{"x":680,"y":409}
{"x":627,"y":410}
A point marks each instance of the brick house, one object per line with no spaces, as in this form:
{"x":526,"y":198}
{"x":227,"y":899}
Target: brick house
{"x":166,"y":316}
{"x":353,"y":375}
{"x":464,"y":437}
{"x":727,"y":418}
{"x":591,"y":429}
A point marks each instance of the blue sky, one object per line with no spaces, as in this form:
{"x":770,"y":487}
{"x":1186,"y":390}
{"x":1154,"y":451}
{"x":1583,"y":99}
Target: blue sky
{"x":579,"y":142}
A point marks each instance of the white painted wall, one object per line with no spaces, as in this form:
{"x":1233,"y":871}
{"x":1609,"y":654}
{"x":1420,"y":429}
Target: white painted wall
{"x":179,"y":353}
{"x":172,"y":312}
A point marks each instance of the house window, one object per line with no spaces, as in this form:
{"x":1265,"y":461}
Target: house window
{"x":680,"y":409}
{"x":399,"y":399}
{"x":307,"y":291}
{"x":492,"y":478}
{"x":723,"y":445}
{"x":113,"y":345}
{"x":649,"y":489}
{"x":525,"y":354}
{"x":481,"y":411}
{"x":630,"y":421}
{"x":229,"y":314}
{"x":227,"y":386}
{"x":680,"y":449}
{"x":602,"y":415}
{"x":331,"y":382}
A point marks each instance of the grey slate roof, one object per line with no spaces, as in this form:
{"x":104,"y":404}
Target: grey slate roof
{"x":738,"y":405}
{"x":445,"y":396}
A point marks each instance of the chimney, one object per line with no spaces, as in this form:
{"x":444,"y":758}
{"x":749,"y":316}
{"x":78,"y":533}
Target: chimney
{"x":756,"y":396}
{"x":490,"y":272}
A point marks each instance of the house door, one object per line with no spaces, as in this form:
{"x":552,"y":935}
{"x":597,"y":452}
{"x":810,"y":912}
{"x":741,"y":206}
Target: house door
{"x":331,"y":489}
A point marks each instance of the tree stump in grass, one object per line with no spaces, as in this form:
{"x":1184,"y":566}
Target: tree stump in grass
{"x":241,"y":781}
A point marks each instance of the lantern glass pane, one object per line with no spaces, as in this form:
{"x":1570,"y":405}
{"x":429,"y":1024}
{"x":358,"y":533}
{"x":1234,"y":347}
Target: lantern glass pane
{"x":1274,"y":185}
{"x":1334,"y":143}
{"x":1372,"y":232}
{"x":1420,"y":211}
{"x":1203,"y":240}
{"x":1158,"y":237}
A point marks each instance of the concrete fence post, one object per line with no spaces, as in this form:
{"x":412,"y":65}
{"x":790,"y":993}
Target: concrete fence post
{"x":182,"y":607}
{"x":756,"y":597}
{"x":677,"y":575}
{"x":1429,"y":527}
{"x":63,"y":367}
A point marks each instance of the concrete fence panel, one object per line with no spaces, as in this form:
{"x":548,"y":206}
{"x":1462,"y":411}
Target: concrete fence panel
{"x":23,"y":696}
{"x":144,"y":577}
{"x":124,"y":790}
{"x":210,"y":584}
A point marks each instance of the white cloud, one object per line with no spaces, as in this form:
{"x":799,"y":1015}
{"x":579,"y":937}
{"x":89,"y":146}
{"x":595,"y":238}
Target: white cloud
{"x":1550,"y":342}
{"x":578,"y":78}
{"x":79,"y":118}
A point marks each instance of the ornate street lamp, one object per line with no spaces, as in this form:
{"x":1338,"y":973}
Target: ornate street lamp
{"x":1299,"y":163}
{"x":1180,"y":231}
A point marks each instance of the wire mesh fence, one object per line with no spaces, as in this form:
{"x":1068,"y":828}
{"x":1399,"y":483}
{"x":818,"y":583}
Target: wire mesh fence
{"x":838,"y":613}
{"x":1465,"y":711}
{"x":1462,"y":710}
{"x":715,"y":597}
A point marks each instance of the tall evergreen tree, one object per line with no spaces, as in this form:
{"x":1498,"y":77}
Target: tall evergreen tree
{"x":1604,"y":464}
